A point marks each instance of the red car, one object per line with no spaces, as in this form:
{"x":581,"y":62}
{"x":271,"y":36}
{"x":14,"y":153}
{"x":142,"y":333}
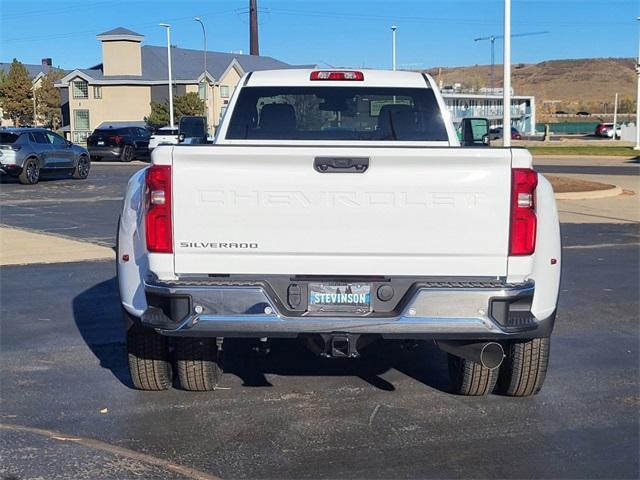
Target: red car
{"x":606,"y":130}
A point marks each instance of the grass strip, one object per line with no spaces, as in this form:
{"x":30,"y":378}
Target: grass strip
{"x":586,"y":150}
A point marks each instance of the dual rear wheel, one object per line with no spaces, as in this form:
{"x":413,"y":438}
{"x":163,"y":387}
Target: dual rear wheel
{"x":521,"y":374}
{"x":151,"y":366}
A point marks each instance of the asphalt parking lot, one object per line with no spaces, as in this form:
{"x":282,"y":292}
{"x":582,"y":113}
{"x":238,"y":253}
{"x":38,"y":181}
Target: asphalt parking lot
{"x":68,"y":408}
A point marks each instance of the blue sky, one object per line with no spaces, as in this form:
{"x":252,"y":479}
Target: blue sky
{"x":338,"y":32}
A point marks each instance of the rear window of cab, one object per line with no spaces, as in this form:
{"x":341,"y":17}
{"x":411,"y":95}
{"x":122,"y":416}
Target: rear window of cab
{"x":337,"y":113}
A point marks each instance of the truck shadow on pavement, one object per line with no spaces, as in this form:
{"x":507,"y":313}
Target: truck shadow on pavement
{"x":97,"y":316}
{"x":96,"y":312}
{"x":289,"y":357}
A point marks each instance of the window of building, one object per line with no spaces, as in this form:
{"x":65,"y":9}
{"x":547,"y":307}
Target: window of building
{"x":80,"y":89}
{"x":201,"y":90}
{"x":224,"y":91}
{"x":97,"y":92}
{"x":80,"y":137}
{"x":81,"y":119}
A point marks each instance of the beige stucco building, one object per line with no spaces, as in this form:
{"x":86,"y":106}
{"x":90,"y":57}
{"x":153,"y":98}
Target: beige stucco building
{"x":132,"y":75}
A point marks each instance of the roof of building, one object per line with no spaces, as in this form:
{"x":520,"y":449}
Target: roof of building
{"x":32,"y":69}
{"x":187,"y":65}
{"x":120,"y":31}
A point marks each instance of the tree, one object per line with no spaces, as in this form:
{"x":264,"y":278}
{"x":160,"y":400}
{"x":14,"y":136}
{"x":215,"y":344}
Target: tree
{"x":626,"y":105}
{"x":159,"y":115}
{"x":189,"y":104}
{"x":17,"y":95}
{"x":48,"y":99}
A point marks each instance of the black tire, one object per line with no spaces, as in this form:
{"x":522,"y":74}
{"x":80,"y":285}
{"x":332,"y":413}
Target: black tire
{"x":81,"y":172}
{"x":524,"y":368}
{"x":149,"y":363}
{"x":197,"y":364}
{"x":127,"y":154}
{"x":30,"y":173}
{"x":470,"y":378}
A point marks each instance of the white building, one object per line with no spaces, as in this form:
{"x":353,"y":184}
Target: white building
{"x":523,"y":109}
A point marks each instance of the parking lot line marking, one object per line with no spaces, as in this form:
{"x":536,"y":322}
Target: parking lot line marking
{"x":10,"y":203}
{"x":112,"y":449}
{"x":604,"y":245}
{"x":625,"y":220}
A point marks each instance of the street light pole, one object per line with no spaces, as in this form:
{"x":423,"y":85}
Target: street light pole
{"x":506,"y":83}
{"x":393,"y":46}
{"x":637,"y":147}
{"x":168,"y":28}
{"x":493,"y":65}
{"x":206,"y":82}
{"x":615,"y":118}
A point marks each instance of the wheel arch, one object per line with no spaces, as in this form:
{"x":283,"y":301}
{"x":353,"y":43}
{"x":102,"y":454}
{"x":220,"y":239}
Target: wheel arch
{"x":547,"y":264}
{"x":33,"y":156}
{"x":131,"y":242}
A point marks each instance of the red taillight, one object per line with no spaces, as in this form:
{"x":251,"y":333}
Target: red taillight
{"x":522,"y":235}
{"x":158,"y":203}
{"x":116,"y":138}
{"x":336,"y":75}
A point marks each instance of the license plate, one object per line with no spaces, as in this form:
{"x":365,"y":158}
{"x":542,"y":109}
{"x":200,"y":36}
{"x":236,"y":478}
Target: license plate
{"x":100,"y":143}
{"x":339,"y":297}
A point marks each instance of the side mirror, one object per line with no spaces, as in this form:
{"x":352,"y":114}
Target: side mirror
{"x":475,"y":132}
{"x":181,"y":138}
{"x":69,"y":143}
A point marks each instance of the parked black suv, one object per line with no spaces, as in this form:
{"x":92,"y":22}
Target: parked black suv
{"x":122,"y":143}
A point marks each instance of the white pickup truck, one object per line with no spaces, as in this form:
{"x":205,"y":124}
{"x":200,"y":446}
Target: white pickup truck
{"x":340,"y":208}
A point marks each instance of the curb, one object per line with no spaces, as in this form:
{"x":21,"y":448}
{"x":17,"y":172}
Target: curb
{"x":588,"y":195}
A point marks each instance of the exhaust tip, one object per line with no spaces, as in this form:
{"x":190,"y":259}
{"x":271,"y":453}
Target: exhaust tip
{"x":491,"y":355}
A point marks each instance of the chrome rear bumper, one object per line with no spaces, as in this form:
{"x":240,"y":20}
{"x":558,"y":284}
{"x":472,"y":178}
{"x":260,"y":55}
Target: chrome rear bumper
{"x":443,"y":310}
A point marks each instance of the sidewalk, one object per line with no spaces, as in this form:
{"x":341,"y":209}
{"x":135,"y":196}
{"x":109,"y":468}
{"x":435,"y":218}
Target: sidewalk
{"x":620,"y":209}
{"x":21,"y":247}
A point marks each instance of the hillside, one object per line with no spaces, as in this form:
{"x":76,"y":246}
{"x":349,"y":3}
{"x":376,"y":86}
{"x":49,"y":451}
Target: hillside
{"x":584,"y":84}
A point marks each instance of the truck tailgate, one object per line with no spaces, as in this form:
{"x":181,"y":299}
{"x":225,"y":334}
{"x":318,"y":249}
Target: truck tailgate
{"x":414,"y":211}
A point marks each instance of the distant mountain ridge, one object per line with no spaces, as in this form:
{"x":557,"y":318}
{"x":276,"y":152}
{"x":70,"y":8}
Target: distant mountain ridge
{"x":573,"y":85}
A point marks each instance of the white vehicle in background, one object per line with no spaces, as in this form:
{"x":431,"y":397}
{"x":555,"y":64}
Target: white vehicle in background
{"x":609,"y":132}
{"x":340,"y":207}
{"x":163,"y":136}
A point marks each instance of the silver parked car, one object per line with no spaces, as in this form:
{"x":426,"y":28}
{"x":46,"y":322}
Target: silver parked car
{"x":25,"y":152}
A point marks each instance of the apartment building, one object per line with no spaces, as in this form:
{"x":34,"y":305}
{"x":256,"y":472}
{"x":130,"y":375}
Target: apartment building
{"x":131,"y":75}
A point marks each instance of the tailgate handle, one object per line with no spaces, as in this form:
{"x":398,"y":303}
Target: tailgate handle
{"x":341,"y":164}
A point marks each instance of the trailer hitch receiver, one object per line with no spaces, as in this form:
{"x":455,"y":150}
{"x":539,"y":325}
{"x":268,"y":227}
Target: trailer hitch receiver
{"x":340,"y":345}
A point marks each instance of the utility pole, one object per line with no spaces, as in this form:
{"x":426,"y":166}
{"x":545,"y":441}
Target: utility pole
{"x":253,"y":28}
{"x":168,"y":28}
{"x":393,"y":47}
{"x":205,"y":80}
{"x":615,"y":118}
{"x":637,"y":146}
{"x":506,"y":89}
